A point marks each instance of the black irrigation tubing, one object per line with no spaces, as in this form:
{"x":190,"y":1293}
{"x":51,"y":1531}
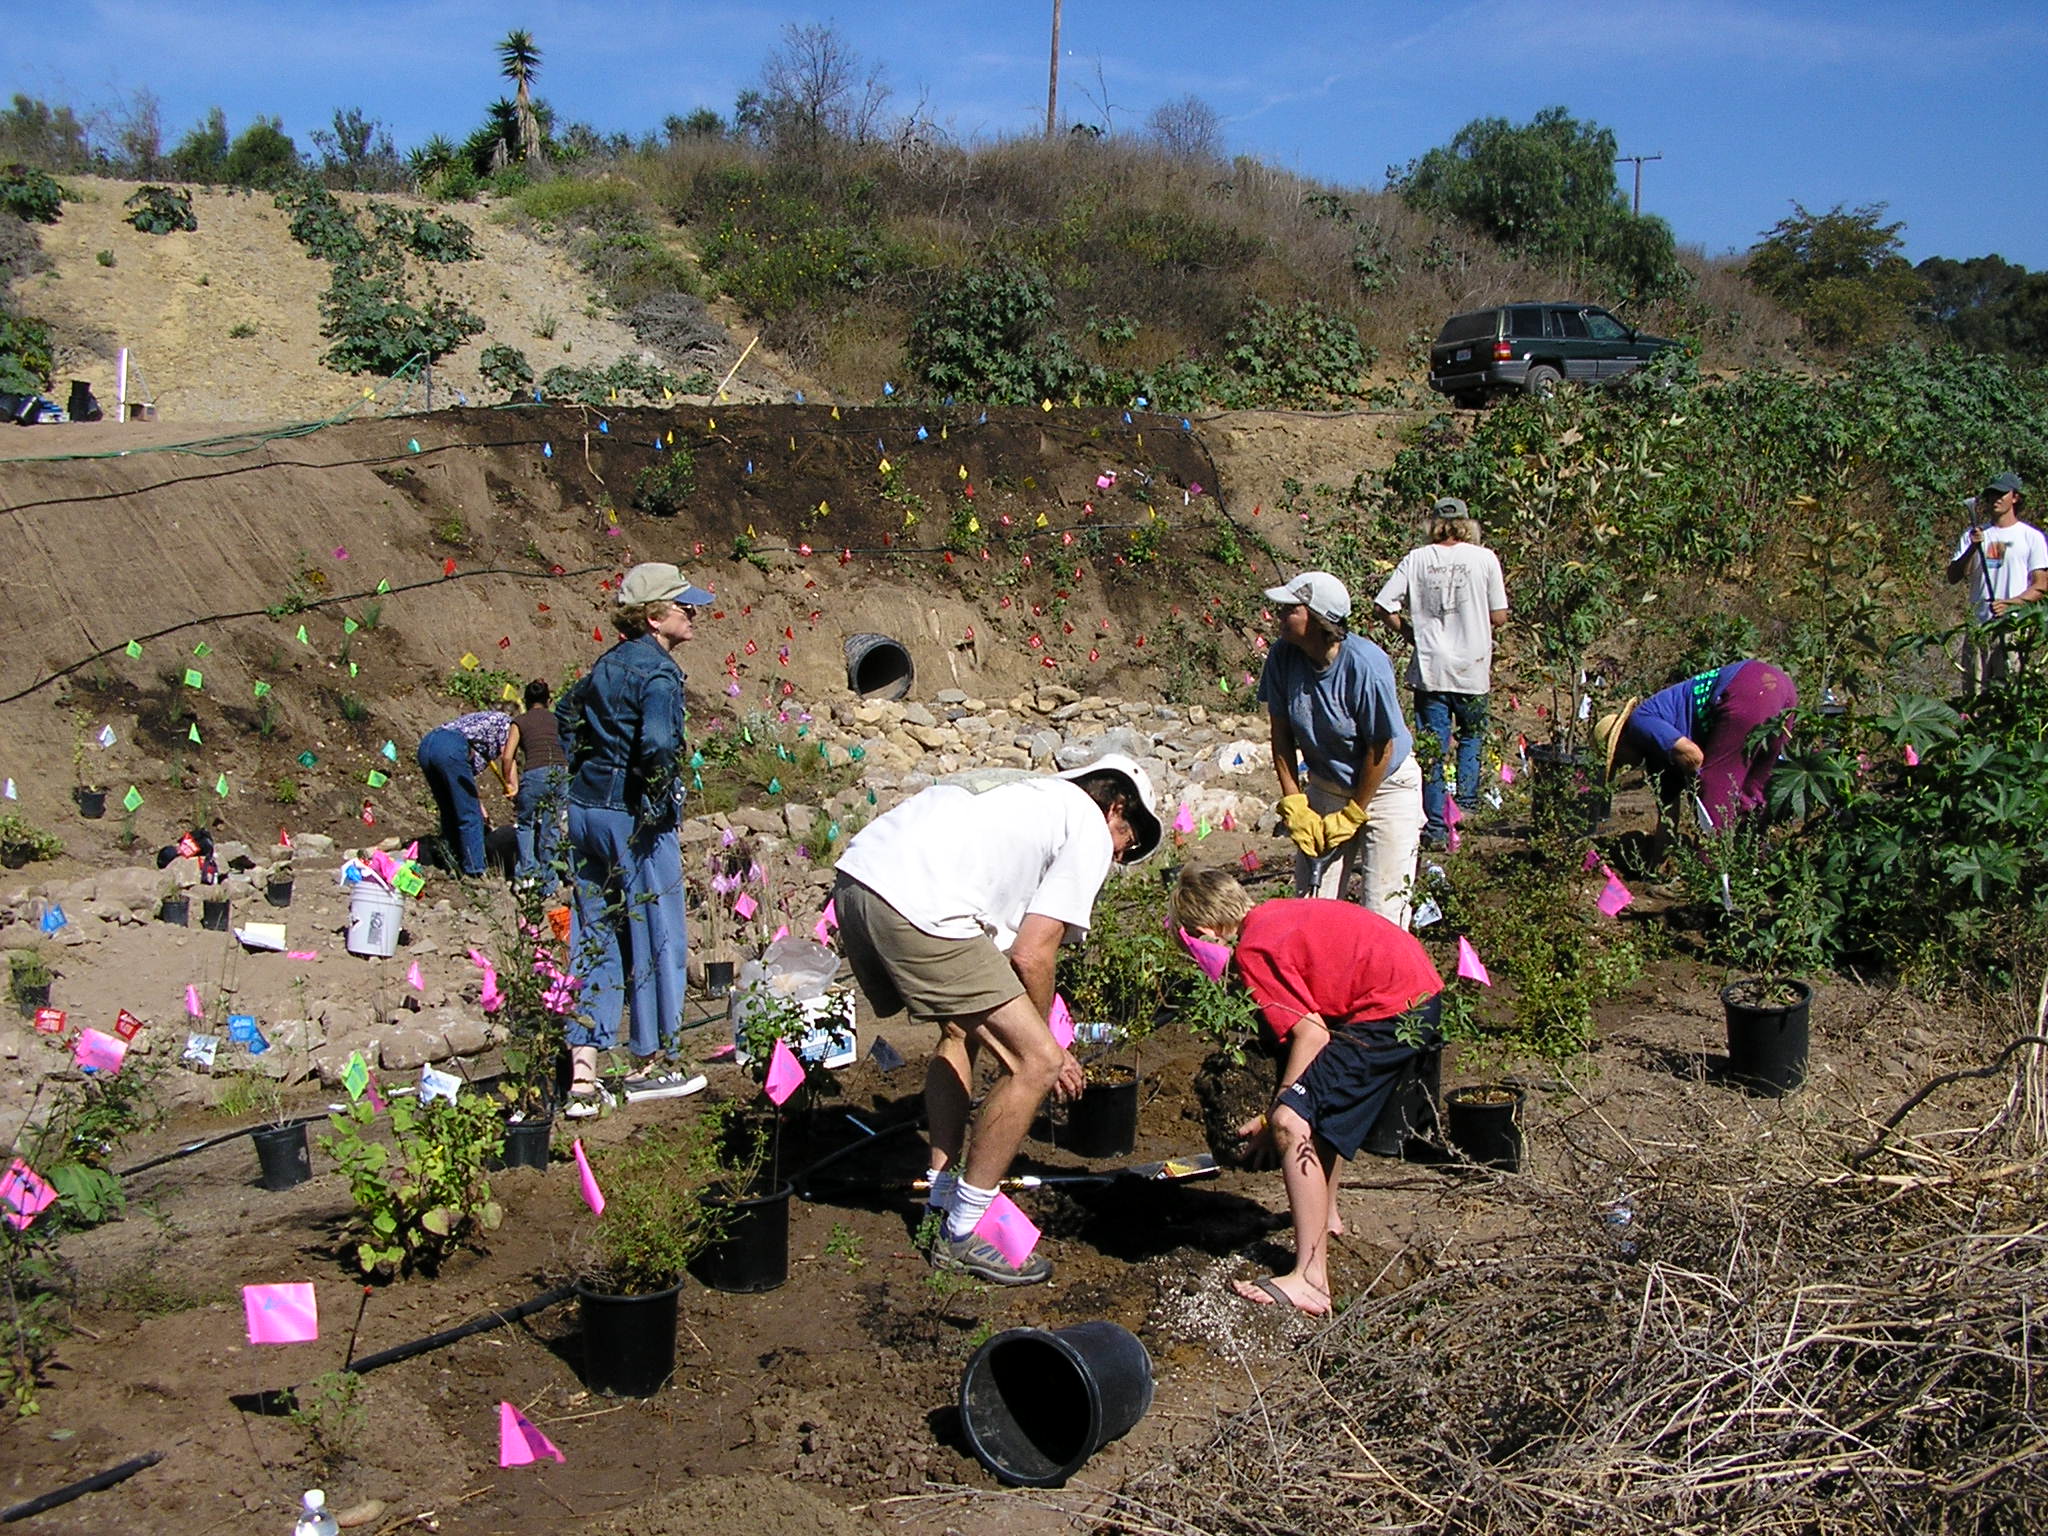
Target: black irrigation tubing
{"x":1997,"y":1065}
{"x":307,"y":606}
{"x":79,"y":1489}
{"x":481,"y":1324}
{"x":211,"y":1142}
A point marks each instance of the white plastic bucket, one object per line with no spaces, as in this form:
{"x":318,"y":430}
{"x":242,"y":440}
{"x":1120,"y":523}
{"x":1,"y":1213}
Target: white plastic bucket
{"x":374,"y":918}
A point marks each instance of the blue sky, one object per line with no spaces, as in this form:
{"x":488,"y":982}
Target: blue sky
{"x":1933,"y":108}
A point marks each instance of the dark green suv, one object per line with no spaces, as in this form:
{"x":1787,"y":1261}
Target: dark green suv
{"x":1533,"y":347}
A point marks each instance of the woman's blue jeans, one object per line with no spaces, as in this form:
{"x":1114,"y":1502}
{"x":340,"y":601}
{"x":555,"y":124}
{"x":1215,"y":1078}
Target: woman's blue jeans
{"x":627,"y":942}
{"x":1436,"y":714}
{"x":539,"y":806}
{"x":444,"y":760}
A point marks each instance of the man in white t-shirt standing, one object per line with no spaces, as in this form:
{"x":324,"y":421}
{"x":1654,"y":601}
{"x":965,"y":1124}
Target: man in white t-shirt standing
{"x":2006,"y":564}
{"x":954,"y":906}
{"x":1449,"y":598}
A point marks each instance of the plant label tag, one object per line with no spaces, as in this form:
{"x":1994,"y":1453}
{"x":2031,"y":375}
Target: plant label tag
{"x":1727,"y":899}
{"x":126,"y":1025}
{"x":435,"y":1084}
{"x":1585,"y":706}
{"x":244,"y":1031}
{"x":200,"y":1050}
{"x":408,"y":882}
{"x":884,"y":1055}
{"x":50,"y":1021}
{"x":1427,"y":913}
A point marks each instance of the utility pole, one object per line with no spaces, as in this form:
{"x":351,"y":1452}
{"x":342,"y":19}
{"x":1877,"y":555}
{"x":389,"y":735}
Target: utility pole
{"x":1637,"y":161}
{"x":1052,"y":88}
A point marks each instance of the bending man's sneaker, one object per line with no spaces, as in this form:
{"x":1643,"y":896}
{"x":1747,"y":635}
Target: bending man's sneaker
{"x":975,"y":1255}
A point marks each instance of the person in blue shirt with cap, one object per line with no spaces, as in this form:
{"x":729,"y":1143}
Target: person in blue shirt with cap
{"x":622,"y":732}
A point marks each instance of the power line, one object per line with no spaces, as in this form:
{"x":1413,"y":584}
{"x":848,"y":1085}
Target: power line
{"x":1637,"y":161}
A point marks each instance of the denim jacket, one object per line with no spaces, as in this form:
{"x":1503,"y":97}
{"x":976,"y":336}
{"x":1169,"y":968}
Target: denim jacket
{"x":622,"y":731}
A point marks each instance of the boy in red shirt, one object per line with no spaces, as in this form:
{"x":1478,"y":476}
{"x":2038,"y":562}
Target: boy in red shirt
{"x":1352,"y":998}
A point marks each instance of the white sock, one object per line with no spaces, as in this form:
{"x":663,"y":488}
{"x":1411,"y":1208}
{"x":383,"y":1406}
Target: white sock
{"x":969,"y":1206}
{"x":940,"y":1196}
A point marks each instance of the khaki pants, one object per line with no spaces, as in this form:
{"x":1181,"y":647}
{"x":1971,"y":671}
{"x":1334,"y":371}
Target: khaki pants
{"x":1384,"y":848}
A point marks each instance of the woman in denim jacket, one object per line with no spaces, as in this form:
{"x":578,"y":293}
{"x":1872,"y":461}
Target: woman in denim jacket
{"x":622,"y":731}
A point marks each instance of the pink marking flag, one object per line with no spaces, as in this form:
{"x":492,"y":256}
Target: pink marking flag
{"x":1453,"y":813}
{"x":1451,"y":836}
{"x":1592,"y":860}
{"x":24,"y":1192}
{"x":192,"y":1002}
{"x":831,"y":915}
{"x":1060,"y":1019}
{"x":1249,"y":861}
{"x":302,"y":954}
{"x":745,"y":907}
{"x":98,"y":1052}
{"x":592,"y":1195}
{"x":1507,"y":774}
{"x":519,"y":1443}
{"x":1912,"y":757}
{"x":281,"y":1314}
{"x":1009,"y":1231}
{"x":785,"y":1073}
{"x":413,"y":978}
{"x":780,"y":934}
{"x":1615,"y":897}
{"x":722,"y":1053}
{"x":1470,"y":966}
{"x":1184,"y":819}
{"x":822,"y":932}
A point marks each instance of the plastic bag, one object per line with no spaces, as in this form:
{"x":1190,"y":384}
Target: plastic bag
{"x":794,"y":970}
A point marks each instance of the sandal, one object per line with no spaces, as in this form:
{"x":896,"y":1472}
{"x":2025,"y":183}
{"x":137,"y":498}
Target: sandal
{"x":586,"y":1102}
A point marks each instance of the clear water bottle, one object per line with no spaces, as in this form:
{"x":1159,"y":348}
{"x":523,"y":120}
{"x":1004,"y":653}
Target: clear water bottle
{"x":314,"y":1520}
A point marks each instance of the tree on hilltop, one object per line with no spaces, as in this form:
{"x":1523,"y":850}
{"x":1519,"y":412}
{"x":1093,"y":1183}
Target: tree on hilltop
{"x":813,"y":91}
{"x":1842,"y":272}
{"x":519,"y":62}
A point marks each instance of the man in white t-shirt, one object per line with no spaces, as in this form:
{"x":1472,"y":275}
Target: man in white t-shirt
{"x":2006,"y":564}
{"x":1449,"y":597}
{"x":954,"y":906}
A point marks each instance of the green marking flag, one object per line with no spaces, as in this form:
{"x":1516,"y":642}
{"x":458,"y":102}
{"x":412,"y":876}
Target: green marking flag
{"x":220,"y":786}
{"x":202,"y":649}
{"x":696,"y":759}
{"x":775,"y":786}
{"x":302,"y":636}
{"x":307,"y":759}
{"x":134,"y":649}
{"x":351,"y":669}
{"x":390,"y":750}
{"x":355,"y":1077}
{"x":262,"y":690}
{"x":192,"y":731}
{"x":349,"y":626}
{"x":383,"y":586}
{"x":132,"y":801}
{"x":193,"y":679}
{"x":409,"y":882}
{"x":377,"y":778}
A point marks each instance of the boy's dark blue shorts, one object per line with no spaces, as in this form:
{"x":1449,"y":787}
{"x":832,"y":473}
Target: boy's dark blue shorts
{"x":1349,"y":1083}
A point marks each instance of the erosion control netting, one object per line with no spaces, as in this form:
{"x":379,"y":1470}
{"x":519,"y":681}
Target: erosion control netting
{"x":1774,"y":1342}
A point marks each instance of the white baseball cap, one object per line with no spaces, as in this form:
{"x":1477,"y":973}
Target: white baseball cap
{"x":1144,"y":816}
{"x":1326,"y":597}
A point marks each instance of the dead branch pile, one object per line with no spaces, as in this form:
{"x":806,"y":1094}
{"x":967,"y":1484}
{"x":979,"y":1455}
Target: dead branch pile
{"x":1789,"y":1346}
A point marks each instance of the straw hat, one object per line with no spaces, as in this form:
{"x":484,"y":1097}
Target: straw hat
{"x":1607,"y":733}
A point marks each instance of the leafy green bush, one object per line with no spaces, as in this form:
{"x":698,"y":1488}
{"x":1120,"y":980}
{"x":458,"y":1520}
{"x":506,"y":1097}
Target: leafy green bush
{"x":22,"y":842}
{"x":424,"y":1195}
{"x":663,"y":488}
{"x":159,"y":210}
{"x":327,"y":230}
{"x":480,"y":687}
{"x":616,"y":383}
{"x":444,"y":239}
{"x":375,"y":328}
{"x":31,"y":195}
{"x":506,"y":368}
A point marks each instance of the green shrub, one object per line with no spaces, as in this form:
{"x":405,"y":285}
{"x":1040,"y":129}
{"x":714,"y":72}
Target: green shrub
{"x":664,"y":487}
{"x":21,"y":842}
{"x":506,"y":368}
{"x":424,"y":1194}
{"x":617,"y":383}
{"x":480,"y":687}
{"x":25,"y":355}
{"x":31,"y":195}
{"x":376,"y":329}
{"x":159,"y":210}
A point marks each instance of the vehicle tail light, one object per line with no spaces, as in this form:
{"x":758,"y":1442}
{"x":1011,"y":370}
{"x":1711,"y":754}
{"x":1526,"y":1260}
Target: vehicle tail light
{"x":1502,"y":351}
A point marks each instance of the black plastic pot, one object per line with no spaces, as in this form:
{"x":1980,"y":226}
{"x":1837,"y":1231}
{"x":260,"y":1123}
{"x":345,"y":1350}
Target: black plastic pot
{"x":1410,"y":1114}
{"x":286,"y":1157}
{"x":717,"y":978}
{"x":213,"y":914}
{"x":629,"y":1342}
{"x":1567,"y":791}
{"x":92,"y":803}
{"x":175,"y":909}
{"x":278,"y":891}
{"x":1767,"y":1045}
{"x":1103,"y":1122}
{"x":30,"y":998}
{"x":526,"y":1143}
{"x":1036,"y":1405}
{"x":753,"y":1255}
{"x":1484,"y":1123}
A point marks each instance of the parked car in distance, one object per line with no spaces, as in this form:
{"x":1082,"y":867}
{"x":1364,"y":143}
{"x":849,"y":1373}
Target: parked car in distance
{"x":1534,"y":347}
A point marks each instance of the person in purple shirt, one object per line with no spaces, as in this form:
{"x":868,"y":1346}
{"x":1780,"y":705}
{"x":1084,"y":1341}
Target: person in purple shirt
{"x":450,"y":757}
{"x":1695,"y":735}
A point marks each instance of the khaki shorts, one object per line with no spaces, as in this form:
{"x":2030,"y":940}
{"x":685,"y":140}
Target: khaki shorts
{"x":901,"y":967}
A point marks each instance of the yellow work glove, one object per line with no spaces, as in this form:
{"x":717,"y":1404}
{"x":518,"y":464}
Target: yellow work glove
{"x":1303,"y":824}
{"x":1340,"y":824}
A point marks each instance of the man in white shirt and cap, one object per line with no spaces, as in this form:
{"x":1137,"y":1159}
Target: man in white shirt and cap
{"x":954,"y":906}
